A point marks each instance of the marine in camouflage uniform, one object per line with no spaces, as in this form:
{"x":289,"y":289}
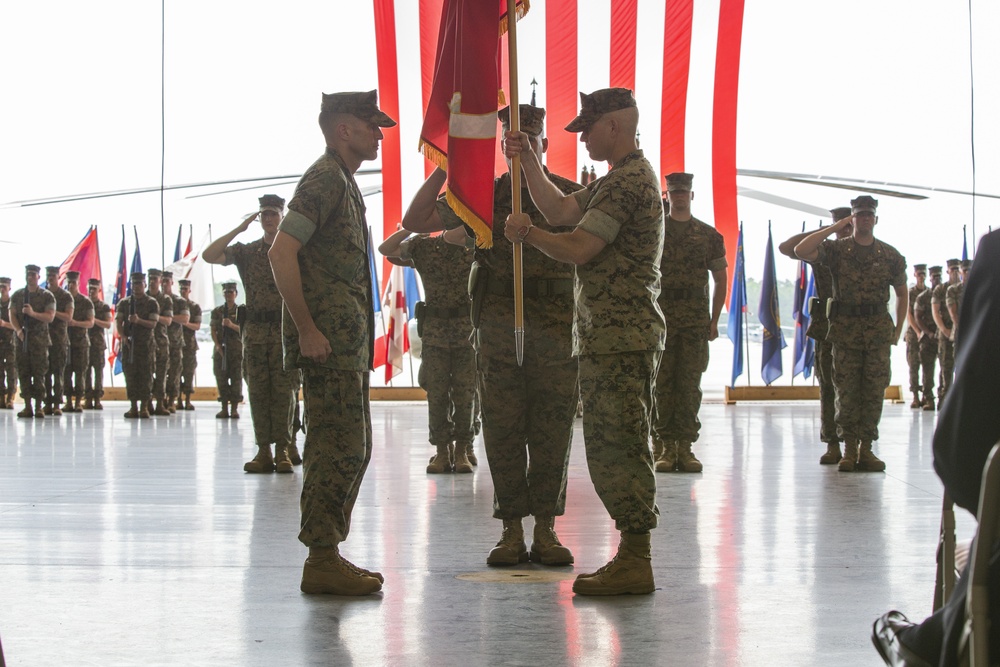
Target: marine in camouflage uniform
{"x":161,"y":342}
{"x":448,"y":362}
{"x":819,"y":327}
{"x":227,"y":357}
{"x":190,"y":359}
{"x":946,"y":345}
{"x":954,"y":297}
{"x":927,"y":335}
{"x":8,"y":349}
{"x":618,"y":328}
{"x":691,"y":251}
{"x":913,"y":336}
{"x":273,"y":390}
{"x":135,"y":320}
{"x":320,"y":259}
{"x":528,"y":410}
{"x":59,"y":348}
{"x":94,"y":382}
{"x":175,"y":337}
{"x":79,"y":344}
{"x":32,"y":308}
{"x":861,"y":330}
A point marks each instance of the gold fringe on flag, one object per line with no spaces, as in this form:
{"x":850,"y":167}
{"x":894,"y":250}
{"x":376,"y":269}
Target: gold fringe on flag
{"x":484,"y":235}
{"x":522,"y":9}
{"x":433,"y":154}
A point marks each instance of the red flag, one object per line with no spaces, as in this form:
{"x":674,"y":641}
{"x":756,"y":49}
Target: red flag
{"x":85,"y":258}
{"x":460,"y":124}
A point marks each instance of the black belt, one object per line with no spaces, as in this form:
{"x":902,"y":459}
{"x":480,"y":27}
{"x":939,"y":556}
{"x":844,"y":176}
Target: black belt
{"x":264,"y":317}
{"x":860,"y":309}
{"x":680,"y":294}
{"x":533,"y":289}
{"x":445,"y":313}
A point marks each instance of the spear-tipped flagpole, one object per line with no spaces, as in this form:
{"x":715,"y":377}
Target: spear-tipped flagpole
{"x":515,"y":179}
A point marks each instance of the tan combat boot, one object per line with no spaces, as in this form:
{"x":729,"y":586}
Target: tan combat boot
{"x":832,"y":455}
{"x":188,"y":405}
{"x":233,"y":412}
{"x":88,"y":404}
{"x":281,"y":461}
{"x":39,"y":410}
{"x":69,"y":406}
{"x":471,"y":455}
{"x":850,"y":460}
{"x":133,"y":412}
{"x":79,"y":404}
{"x":510,"y":550}
{"x":97,"y":404}
{"x":686,"y":460}
{"x":928,"y":403}
{"x":171,"y":405}
{"x":5,"y":404}
{"x":161,"y":409}
{"x":27,"y":412}
{"x":462,"y":462}
{"x":10,"y":400}
{"x":916,"y":402}
{"x":545,"y":546}
{"x":224,"y":412}
{"x":666,"y":461}
{"x":362,"y":571}
{"x":629,"y":572}
{"x":145,"y":409}
{"x":263,"y":463}
{"x":47,"y":410}
{"x":867,"y":461}
{"x":326,"y":572}
{"x":293,"y":454}
{"x":440,"y":462}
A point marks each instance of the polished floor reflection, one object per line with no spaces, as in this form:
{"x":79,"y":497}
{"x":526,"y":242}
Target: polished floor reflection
{"x":144,"y":543}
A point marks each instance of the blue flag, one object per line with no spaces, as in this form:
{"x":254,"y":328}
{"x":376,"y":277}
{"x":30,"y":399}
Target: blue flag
{"x":737,"y":310}
{"x":805,"y":347}
{"x":177,"y":248}
{"x":411,"y":290}
{"x":376,"y":297}
{"x":769,"y":314}
{"x":136,"y":264}
{"x":965,"y":245}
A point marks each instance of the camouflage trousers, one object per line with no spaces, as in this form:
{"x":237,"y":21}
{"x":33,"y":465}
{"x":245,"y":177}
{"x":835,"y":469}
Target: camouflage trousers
{"x":337,"y":451}
{"x":913,"y":358}
{"x":76,"y":370}
{"x":8,"y":366}
{"x":928,"y":358}
{"x":528,"y":414}
{"x":273,"y":393}
{"x":678,"y":385}
{"x":54,"y":379}
{"x":32,"y":369}
{"x":94,"y":379}
{"x":174,"y":365}
{"x":946,"y":365}
{"x":188,"y":366}
{"x":827,"y":392}
{"x":138,"y":368}
{"x":617,"y":392}
{"x":448,"y":375}
{"x":860,"y":376}
{"x":161,"y":359}
{"x":228,"y":380}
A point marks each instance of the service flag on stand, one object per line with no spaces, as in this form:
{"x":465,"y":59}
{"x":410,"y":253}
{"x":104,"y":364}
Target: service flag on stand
{"x":965,"y":245}
{"x":460,"y":124}
{"x":85,"y":258}
{"x":136,"y":264}
{"x":737,"y":310}
{"x":805,"y":347}
{"x":121,"y":287}
{"x":177,"y":246}
{"x":770,"y":318}
{"x":397,"y":339}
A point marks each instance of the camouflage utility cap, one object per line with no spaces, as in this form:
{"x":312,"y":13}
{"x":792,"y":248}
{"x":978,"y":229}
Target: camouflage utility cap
{"x":138,"y":277}
{"x":361,"y":105}
{"x":598,"y":103}
{"x":532,"y":119}
{"x":184,"y":282}
{"x":167,"y":275}
{"x":935,"y":270}
{"x":154,"y":273}
{"x":229,"y":287}
{"x":32,"y":268}
{"x":966,"y":264}
{"x":864,"y":203}
{"x":954,"y":264}
{"x":94,"y":282}
{"x":920,"y":268}
{"x":52,"y":270}
{"x":272,"y":203}
{"x":840,"y":212}
{"x":73,"y":276}
{"x":679,"y":182}
{"x":5,"y":281}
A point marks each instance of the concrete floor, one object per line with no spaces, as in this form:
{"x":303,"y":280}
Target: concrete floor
{"x":144,"y":543}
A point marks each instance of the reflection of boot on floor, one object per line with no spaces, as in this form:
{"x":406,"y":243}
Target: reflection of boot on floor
{"x":511,"y":549}
{"x":629,"y":572}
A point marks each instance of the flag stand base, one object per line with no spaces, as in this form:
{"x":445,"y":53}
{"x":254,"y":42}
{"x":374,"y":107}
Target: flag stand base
{"x":893,"y":392}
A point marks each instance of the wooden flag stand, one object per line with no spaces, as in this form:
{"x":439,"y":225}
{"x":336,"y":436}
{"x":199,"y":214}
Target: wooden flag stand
{"x":893,"y":392}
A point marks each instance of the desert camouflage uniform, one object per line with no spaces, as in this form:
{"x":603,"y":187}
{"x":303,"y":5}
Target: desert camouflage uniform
{"x":913,"y":345}
{"x":862,"y":277}
{"x":59,"y":348}
{"x":928,"y":345}
{"x":448,"y":362}
{"x":137,"y":364}
{"x":819,"y":328}
{"x":945,"y":346}
{"x":175,"y":337}
{"x":618,"y":335}
{"x":528,"y":410}
{"x":954,"y":298}
{"x":8,"y":353}
{"x":273,"y":390}
{"x":33,"y":362}
{"x":228,"y":380}
{"x":190,"y":360}
{"x":79,"y":348}
{"x":94,"y":383}
{"x":691,"y":251}
{"x":161,"y":345}
{"x":327,"y":215}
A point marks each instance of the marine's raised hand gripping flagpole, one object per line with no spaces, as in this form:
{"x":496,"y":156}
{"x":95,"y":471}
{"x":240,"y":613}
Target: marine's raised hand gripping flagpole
{"x":515,"y":179}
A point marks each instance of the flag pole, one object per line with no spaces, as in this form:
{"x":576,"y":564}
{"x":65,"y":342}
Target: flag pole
{"x":515,"y":179}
